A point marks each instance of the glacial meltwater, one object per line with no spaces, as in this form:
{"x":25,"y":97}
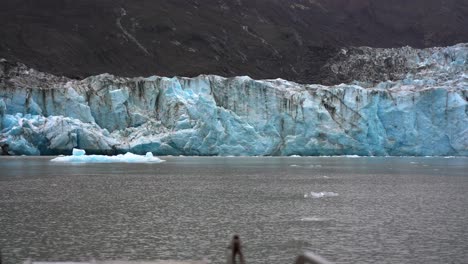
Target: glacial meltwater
{"x":349,"y":210}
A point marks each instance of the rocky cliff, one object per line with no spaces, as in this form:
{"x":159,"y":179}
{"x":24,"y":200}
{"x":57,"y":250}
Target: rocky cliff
{"x":402,"y":102}
{"x":289,"y":39}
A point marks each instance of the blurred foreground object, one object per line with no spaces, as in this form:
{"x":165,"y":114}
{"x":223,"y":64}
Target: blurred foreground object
{"x":311,"y":258}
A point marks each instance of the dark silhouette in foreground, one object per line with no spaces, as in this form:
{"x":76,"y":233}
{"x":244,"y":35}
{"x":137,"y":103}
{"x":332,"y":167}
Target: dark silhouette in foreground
{"x":236,"y":249}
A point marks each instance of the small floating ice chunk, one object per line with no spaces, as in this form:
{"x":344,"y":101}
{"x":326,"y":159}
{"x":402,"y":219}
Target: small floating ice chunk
{"x":316,"y":195}
{"x":80,"y":157}
{"x":313,"y":219}
{"x":295,"y":156}
{"x":78,"y":152}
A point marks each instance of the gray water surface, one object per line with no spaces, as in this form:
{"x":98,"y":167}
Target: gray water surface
{"x":388,"y":210}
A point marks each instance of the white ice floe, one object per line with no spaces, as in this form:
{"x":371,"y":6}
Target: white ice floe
{"x":353,"y":156}
{"x":316,"y":195}
{"x":79,"y":156}
{"x":314,"y":219}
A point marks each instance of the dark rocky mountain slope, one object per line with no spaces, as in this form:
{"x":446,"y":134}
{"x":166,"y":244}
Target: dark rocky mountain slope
{"x":261,"y":38}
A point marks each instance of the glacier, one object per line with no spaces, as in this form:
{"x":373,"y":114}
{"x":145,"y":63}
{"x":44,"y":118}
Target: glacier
{"x":418,"y":108}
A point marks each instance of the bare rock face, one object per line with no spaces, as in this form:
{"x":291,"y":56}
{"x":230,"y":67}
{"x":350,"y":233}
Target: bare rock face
{"x":289,"y":39}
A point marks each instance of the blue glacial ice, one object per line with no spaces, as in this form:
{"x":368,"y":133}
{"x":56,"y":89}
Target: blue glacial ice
{"x":79,"y":156}
{"x":425,"y":113}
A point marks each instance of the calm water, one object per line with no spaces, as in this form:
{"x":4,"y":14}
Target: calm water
{"x":389,"y":210}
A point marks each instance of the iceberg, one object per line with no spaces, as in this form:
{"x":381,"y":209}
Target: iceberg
{"x":79,"y":156}
{"x":316,"y":195}
{"x":78,"y":152}
{"x":314,"y":219}
{"x":419,"y":111}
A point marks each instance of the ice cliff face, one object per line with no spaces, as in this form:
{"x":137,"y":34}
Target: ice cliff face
{"x":420,"y":110}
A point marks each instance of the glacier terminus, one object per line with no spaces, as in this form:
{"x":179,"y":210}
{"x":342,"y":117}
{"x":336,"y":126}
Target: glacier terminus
{"x":415,"y":106}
